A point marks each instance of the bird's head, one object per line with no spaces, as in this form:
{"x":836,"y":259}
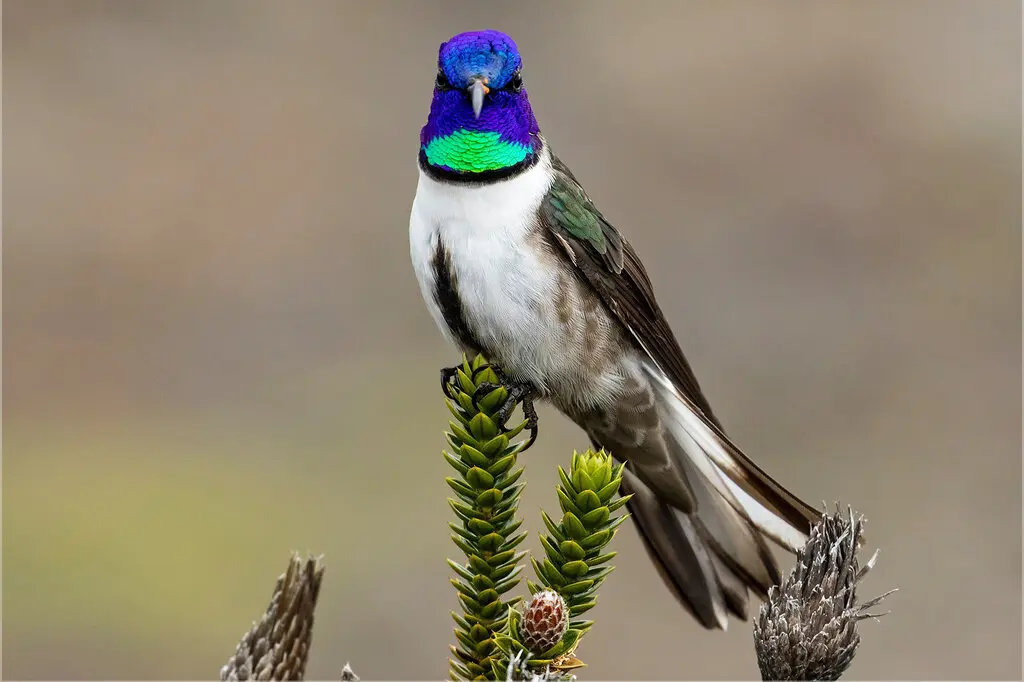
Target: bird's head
{"x":480,"y":119}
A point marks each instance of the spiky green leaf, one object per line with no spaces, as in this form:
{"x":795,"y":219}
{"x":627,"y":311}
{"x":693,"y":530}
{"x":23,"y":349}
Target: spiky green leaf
{"x":595,"y":540}
{"x":500,"y":518}
{"x":507,"y":571}
{"x":492,"y":542}
{"x":455,"y":462}
{"x":492,"y":610}
{"x":601,"y":558}
{"x":460,"y":621}
{"x":488,"y":498}
{"x":493,"y":447}
{"x":574,"y":529}
{"x":463,"y":511}
{"x":513,"y":541}
{"x":493,"y":400}
{"x":615,"y":505}
{"x":555,"y":531}
{"x":613,"y":524}
{"x":469,"y":603}
{"x":574,"y":569}
{"x":595,"y":518}
{"x":549,"y":548}
{"x":583,"y":607}
{"x":471,"y":455}
{"x":480,"y":565}
{"x":567,"y":482}
{"x":515,"y":431}
{"x":481,"y":582}
{"x":461,"y":530}
{"x":582,"y":480}
{"x":479,"y":479}
{"x":501,"y":464}
{"x":508,"y":481}
{"x":576,"y":587}
{"x":567,"y":504}
{"x":599,"y":574}
{"x":506,"y":585}
{"x":547,"y":573}
{"x":464,"y":545}
{"x":571,"y":551}
{"x":488,"y":596}
{"x":609,"y":489}
{"x":462,"y":571}
{"x":460,"y":487}
{"x":483,"y":427}
{"x":587,"y":500}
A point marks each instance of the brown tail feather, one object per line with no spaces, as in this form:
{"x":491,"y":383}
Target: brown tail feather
{"x":682,"y":559}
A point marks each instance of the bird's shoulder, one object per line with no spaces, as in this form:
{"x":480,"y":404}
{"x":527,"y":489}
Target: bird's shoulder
{"x":577,"y":223}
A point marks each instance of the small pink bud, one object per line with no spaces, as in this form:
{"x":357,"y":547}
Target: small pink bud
{"x":545,"y":620}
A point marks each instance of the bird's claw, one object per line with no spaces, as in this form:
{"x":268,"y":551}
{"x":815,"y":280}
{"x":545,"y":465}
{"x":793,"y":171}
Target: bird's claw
{"x":530,"y":412}
{"x":482,"y":390}
{"x":519,"y":392}
{"x":449,"y":375}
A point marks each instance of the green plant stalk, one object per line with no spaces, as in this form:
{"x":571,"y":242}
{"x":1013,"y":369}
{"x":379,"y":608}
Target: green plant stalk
{"x":485,"y":504}
{"x":575,"y":563}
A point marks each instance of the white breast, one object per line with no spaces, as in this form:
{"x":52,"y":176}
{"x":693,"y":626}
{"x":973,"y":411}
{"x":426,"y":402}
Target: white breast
{"x":506,"y":288}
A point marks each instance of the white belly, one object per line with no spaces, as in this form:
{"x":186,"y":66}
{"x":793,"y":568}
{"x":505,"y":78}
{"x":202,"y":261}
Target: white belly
{"x":507,"y":285}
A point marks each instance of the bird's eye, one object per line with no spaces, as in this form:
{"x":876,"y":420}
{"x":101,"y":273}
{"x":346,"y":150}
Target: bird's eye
{"x":441,"y":82}
{"x":515,"y":84}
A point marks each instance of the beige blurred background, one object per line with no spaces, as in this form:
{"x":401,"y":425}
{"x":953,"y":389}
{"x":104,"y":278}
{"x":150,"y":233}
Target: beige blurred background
{"x":216,"y":351}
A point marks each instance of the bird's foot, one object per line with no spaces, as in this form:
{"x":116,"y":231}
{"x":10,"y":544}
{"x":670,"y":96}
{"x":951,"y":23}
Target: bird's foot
{"x":519,"y":393}
{"x":449,"y":379}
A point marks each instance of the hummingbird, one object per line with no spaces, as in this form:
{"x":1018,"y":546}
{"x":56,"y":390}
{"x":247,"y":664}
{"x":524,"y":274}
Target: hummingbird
{"x":515,"y":261}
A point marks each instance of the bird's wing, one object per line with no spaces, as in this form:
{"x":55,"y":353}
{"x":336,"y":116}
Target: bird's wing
{"x":611,"y":267}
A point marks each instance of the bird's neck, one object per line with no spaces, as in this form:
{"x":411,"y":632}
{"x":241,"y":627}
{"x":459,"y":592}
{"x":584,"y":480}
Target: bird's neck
{"x":503,"y":210}
{"x":477,"y":156}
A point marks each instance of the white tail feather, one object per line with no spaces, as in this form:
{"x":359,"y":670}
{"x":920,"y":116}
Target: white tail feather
{"x":696,"y":436}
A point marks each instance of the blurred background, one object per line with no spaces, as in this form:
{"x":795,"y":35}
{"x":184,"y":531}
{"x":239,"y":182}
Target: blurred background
{"x":217,"y":352}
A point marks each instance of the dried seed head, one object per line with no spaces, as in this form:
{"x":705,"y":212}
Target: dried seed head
{"x":807,"y":630}
{"x":545,"y":620}
{"x":277,"y":647}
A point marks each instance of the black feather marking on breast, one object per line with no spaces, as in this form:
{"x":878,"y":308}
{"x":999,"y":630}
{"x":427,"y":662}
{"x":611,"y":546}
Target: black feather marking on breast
{"x":446,"y":294}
